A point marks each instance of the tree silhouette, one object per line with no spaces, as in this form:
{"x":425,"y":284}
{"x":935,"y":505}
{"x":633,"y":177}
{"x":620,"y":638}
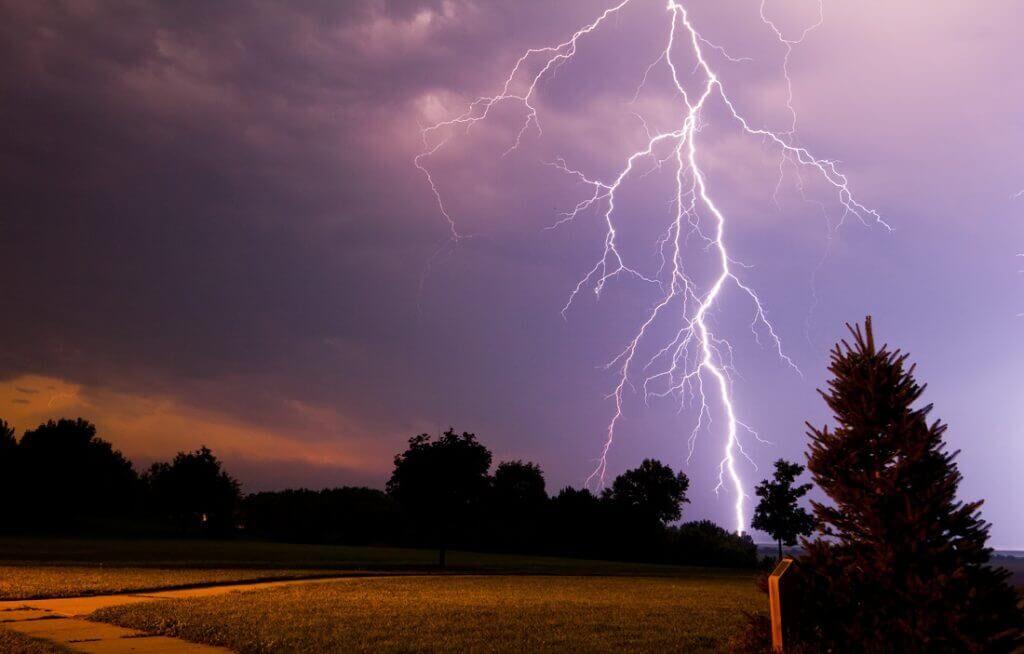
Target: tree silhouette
{"x":519,"y":484}
{"x":8,"y":474}
{"x":517,"y":504}
{"x":903,"y":566}
{"x":441,"y":483}
{"x":69,"y":475}
{"x":7,"y":440}
{"x":576,"y":521}
{"x":194,"y":492}
{"x":652,"y":492}
{"x":779,"y":513}
{"x":348,"y":516}
{"x":705,"y":543}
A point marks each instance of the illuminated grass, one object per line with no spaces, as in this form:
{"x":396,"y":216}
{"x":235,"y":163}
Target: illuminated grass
{"x":12,"y":641}
{"x":35,"y":582}
{"x":449,"y":613}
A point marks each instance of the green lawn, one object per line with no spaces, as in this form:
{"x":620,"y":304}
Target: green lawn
{"x":463,"y":613}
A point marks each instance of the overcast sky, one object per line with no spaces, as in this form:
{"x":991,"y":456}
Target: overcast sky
{"x":213,"y":231}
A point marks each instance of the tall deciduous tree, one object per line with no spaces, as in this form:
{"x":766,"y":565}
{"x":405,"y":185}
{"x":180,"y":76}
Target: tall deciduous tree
{"x":904,"y":566}
{"x":441,"y":482}
{"x":779,"y":512}
{"x":652,"y":492}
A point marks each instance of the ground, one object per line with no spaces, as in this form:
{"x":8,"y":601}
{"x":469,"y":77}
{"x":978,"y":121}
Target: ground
{"x":391,"y":600}
{"x":461,"y":613}
{"x":14,"y":642}
{"x":386,"y":599}
{"x":33,"y":582}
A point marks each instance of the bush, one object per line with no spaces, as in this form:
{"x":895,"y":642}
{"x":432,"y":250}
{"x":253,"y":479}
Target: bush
{"x":705,"y":543}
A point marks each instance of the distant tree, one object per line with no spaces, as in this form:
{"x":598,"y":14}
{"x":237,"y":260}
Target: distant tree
{"x":194,"y":492}
{"x":519,"y":484}
{"x":70,"y":476}
{"x":8,"y":475}
{"x":652,"y":492}
{"x":441,"y":482}
{"x":517,"y":501}
{"x":779,"y":513}
{"x":705,"y":543}
{"x":903,"y":565}
{"x":576,"y":519}
{"x":8,"y":449}
{"x":7,"y":440}
{"x":345,"y":516}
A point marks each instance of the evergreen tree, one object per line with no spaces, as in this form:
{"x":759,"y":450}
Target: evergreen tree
{"x":779,"y":513}
{"x":903,"y":565}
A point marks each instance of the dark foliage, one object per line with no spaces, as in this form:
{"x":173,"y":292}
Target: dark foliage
{"x":336,"y":516}
{"x":779,"y":513}
{"x":7,"y":440}
{"x":441,"y":483}
{"x":635,"y":510}
{"x":8,"y":474}
{"x":67,"y":478}
{"x":755,"y":638}
{"x":194,"y":493}
{"x":705,"y":543}
{"x":901,"y":564}
{"x":440,"y":493}
{"x":576,"y":524}
{"x":653,"y":493}
{"x":516,"y":506}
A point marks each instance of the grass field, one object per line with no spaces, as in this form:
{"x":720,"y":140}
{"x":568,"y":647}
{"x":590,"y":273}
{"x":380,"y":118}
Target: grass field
{"x":486,"y":602}
{"x":36,"y":582}
{"x":463,"y":613}
{"x":13,"y":642}
{"x":37,"y":568}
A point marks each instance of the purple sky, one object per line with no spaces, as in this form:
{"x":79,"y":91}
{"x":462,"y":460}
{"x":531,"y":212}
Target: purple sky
{"x":213,"y":231}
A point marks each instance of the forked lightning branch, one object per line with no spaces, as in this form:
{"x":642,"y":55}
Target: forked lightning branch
{"x":693,"y":364}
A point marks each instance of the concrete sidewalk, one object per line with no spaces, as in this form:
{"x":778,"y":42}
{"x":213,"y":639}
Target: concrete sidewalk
{"x":61,"y":620}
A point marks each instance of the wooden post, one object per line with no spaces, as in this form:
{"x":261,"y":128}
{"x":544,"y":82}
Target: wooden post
{"x":775,"y":603}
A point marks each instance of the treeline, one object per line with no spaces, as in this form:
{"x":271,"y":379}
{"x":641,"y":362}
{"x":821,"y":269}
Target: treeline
{"x":63,"y":478}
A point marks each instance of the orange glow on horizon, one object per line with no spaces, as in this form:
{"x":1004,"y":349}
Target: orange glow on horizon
{"x":150,"y":426}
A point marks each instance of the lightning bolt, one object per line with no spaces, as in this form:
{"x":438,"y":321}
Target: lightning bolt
{"x":695,"y":365}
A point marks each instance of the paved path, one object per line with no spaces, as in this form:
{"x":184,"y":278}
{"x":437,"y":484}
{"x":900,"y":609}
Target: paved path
{"x":61,"y":620}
